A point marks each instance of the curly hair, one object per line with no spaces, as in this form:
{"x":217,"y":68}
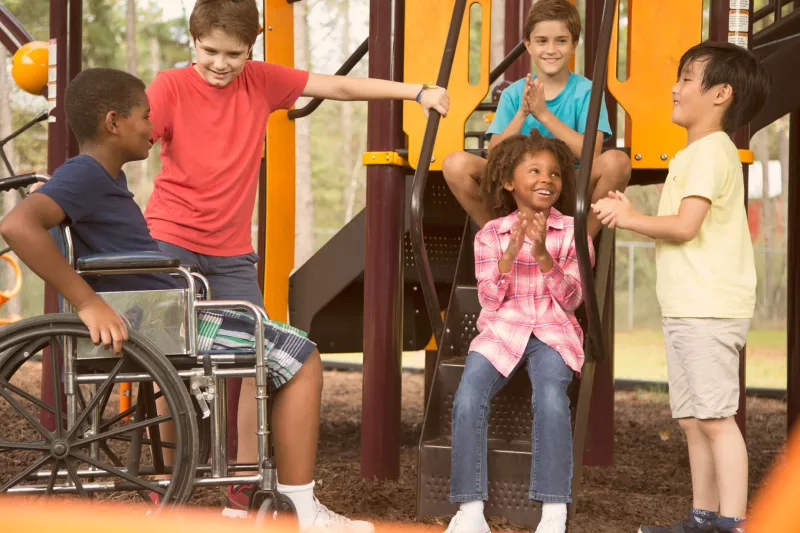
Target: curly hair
{"x":506,"y":157}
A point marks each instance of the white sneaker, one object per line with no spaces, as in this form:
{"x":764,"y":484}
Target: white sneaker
{"x":462,"y":523}
{"x":553,"y":524}
{"x":327,"y":521}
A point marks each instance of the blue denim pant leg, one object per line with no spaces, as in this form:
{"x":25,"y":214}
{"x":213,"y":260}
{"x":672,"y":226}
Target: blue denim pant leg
{"x":471,"y":405}
{"x":551,"y":456}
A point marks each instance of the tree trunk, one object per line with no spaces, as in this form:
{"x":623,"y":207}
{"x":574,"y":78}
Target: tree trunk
{"x":348,"y":162}
{"x":760,"y":144}
{"x":13,"y":306}
{"x":304,"y":203}
{"x":137,"y":170}
{"x":498,"y":29}
{"x":783,"y":157}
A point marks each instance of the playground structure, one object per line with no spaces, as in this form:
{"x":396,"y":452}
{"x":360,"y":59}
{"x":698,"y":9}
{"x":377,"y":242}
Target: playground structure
{"x":390,"y":271}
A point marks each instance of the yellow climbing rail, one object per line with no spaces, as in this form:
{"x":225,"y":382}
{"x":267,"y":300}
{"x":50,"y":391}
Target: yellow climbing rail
{"x":658,"y":35}
{"x":426,"y":26}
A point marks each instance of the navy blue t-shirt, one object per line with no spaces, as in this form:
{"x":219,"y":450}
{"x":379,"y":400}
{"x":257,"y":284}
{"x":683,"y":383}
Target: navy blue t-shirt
{"x":103,"y":218}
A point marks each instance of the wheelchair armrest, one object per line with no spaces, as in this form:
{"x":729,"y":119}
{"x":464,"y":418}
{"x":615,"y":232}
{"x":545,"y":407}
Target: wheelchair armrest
{"x":127,"y":260}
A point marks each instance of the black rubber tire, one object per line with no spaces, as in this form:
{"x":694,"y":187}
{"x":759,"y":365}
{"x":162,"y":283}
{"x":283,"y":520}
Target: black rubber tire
{"x":274,"y":506}
{"x":17,"y":341}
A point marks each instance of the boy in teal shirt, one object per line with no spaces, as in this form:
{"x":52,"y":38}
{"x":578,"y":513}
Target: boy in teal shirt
{"x":555,"y":102}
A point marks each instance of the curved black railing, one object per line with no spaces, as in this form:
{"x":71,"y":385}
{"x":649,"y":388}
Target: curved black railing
{"x":344,"y":70}
{"x":582,"y":198}
{"x":595,"y":332}
{"x":421,"y":179}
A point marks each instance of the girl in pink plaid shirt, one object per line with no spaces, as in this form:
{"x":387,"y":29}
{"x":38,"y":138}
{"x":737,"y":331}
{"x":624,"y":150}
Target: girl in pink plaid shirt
{"x":529,"y":287}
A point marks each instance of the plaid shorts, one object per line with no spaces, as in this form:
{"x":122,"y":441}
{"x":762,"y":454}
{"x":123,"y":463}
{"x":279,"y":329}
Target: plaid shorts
{"x":286,"y":348}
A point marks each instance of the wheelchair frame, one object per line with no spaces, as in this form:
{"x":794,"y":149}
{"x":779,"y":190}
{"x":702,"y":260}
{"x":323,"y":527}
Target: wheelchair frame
{"x":207,"y":381}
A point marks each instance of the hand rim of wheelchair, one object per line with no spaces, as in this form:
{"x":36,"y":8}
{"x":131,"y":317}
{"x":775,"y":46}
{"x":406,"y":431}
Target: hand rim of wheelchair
{"x":41,"y":330}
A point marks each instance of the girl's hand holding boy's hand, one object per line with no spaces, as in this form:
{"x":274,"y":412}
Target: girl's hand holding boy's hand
{"x":615,"y":211}
{"x":436,"y":99}
{"x":514,"y":246}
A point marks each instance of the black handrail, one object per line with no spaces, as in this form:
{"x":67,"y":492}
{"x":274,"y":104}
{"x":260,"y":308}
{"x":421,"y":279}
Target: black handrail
{"x":582,"y":197}
{"x":421,"y":178}
{"x":344,"y":70}
{"x":512,"y":56}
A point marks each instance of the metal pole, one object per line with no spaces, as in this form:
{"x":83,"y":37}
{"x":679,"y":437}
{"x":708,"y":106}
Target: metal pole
{"x":383,"y":268}
{"x":631,"y":250}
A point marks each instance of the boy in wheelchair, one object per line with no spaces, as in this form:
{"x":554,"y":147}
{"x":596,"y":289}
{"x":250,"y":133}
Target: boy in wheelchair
{"x":108,"y":112}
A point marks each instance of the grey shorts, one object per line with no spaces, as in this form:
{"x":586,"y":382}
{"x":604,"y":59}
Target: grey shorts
{"x":703,"y":365}
{"x":231,"y":278}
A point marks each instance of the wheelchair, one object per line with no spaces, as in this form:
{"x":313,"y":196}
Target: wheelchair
{"x":65,"y":434}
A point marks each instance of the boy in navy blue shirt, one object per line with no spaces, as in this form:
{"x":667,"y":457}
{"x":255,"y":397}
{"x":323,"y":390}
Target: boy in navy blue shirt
{"x":108,"y":112}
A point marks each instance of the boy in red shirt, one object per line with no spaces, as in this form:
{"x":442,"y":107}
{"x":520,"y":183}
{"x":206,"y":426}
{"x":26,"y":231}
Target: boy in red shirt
{"x":211,"y":119}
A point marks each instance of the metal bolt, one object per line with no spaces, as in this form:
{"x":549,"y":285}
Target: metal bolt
{"x":663,"y":157}
{"x":433,"y":159}
{"x":387,"y":157}
{"x":638,"y":157}
{"x":373,"y":158}
{"x":269,"y":28}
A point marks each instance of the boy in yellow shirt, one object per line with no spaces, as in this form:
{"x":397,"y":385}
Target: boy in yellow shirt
{"x":706,"y":276}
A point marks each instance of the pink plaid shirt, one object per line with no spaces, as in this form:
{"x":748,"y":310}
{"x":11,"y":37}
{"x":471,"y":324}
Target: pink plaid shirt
{"x":526,"y":301}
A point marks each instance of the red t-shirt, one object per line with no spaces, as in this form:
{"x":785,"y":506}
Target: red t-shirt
{"x":211,"y":146}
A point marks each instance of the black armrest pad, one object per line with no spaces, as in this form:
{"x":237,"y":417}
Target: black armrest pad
{"x":125,"y":260}
{"x":16,"y":182}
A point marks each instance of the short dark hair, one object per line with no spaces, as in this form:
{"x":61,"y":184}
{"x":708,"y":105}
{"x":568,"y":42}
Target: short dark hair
{"x":508,"y":154}
{"x":560,"y":10}
{"x":238,"y":18}
{"x":727,"y":63}
{"x":96,"y":91}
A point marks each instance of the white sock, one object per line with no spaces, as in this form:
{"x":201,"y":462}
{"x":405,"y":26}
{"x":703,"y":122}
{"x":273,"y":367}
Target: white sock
{"x":472,"y":509}
{"x":554,"y":510}
{"x":302,"y":497}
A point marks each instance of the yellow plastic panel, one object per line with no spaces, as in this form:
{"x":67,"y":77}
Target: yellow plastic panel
{"x":279,"y":246}
{"x":426,"y":28}
{"x":659,"y":34}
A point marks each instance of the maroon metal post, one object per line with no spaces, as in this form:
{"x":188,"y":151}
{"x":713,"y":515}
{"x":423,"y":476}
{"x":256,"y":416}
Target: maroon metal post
{"x":383,"y":268}
{"x":57,"y":153}
{"x":516,"y":10}
{"x":793,"y":284}
{"x":718,"y":31}
{"x":600,"y":435}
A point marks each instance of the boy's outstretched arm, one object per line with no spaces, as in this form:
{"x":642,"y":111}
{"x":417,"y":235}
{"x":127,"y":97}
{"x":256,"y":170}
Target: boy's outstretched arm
{"x":617,"y":211}
{"x":25,"y":229}
{"x":346,"y":88}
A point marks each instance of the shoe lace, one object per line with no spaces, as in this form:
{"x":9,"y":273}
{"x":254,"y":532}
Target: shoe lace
{"x":328,"y":515}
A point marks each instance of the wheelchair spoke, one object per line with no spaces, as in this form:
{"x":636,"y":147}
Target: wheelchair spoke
{"x":111,"y":455}
{"x":40,"y":446}
{"x":73,"y":474}
{"x":156,"y":450}
{"x":25,"y":473}
{"x":96,"y":398}
{"x":124,"y":414}
{"x":125,"y":429}
{"x":31,"y":398}
{"x":57,"y":388}
{"x":168,"y":444}
{"x":53,"y":476}
{"x":117,"y":472}
{"x":28,"y":416}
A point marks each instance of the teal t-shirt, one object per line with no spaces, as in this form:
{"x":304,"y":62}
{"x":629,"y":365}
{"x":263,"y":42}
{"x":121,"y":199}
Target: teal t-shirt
{"x":571,"y":106}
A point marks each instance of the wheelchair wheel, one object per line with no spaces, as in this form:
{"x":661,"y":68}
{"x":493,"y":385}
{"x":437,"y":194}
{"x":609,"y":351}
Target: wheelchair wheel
{"x":106,"y":454}
{"x":273,"y":507}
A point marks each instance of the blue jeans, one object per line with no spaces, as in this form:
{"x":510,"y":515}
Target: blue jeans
{"x":551,"y":458}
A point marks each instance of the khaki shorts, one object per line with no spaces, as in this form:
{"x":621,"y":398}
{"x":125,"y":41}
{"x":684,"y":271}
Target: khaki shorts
{"x":703,"y":365}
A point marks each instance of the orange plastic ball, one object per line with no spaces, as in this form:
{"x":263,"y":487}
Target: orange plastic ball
{"x":29,"y":67}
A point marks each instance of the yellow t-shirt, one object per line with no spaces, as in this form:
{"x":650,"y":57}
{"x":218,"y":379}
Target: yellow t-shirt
{"x":714,"y":274}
